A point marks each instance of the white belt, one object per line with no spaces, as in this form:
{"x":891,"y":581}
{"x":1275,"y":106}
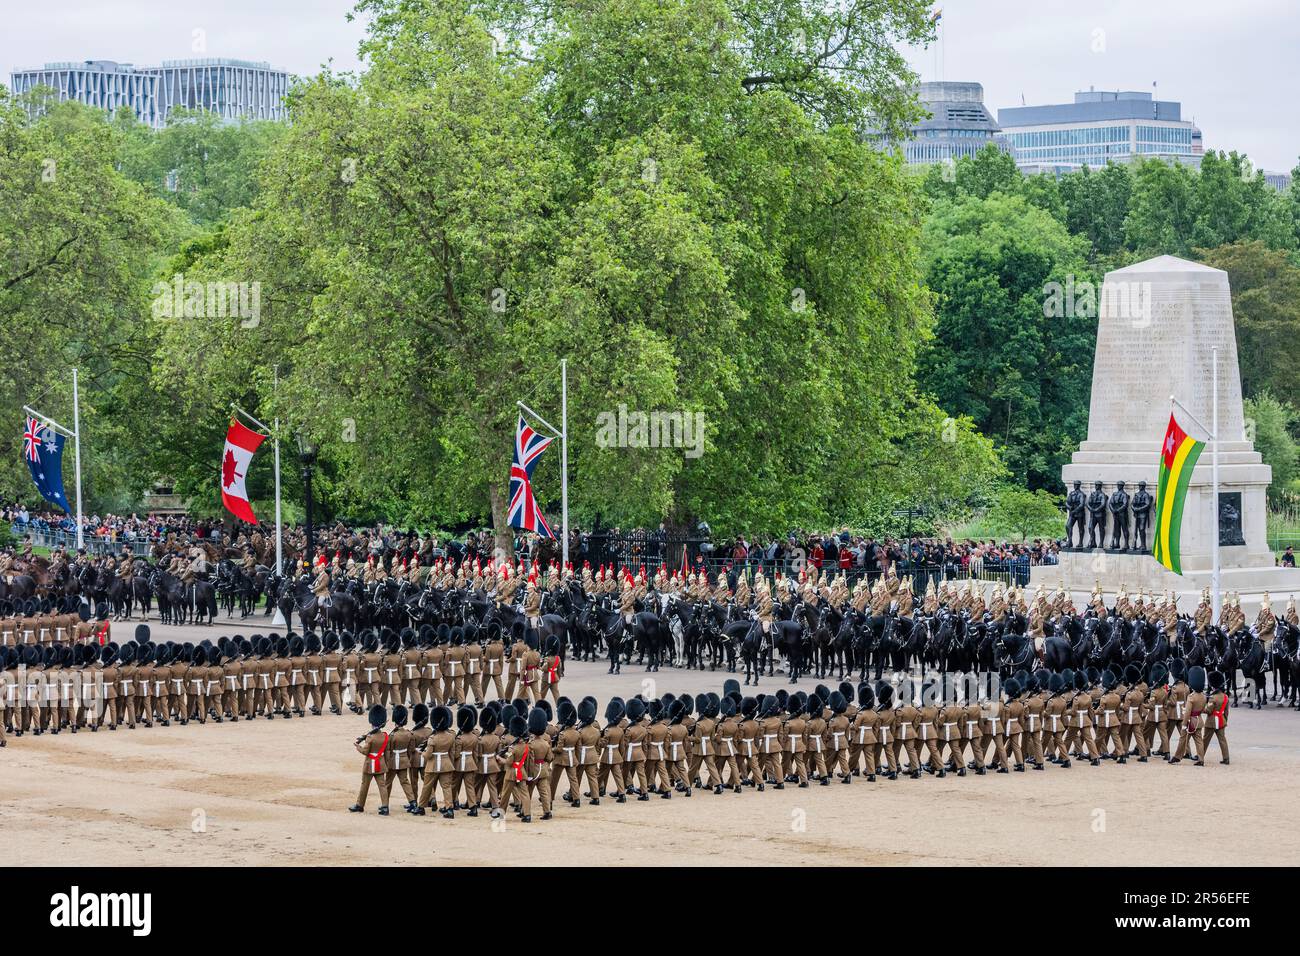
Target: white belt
{"x":1032,"y":718}
{"x":610,"y":750}
{"x":328,"y":671}
{"x":749,"y":746}
{"x":180,"y":684}
{"x":464,"y":756}
{"x":703,"y":743}
{"x":198,"y":684}
{"x":315,"y":677}
{"x":1053,"y":716}
{"x":230,"y":678}
{"x":1159,"y":707}
{"x":569,"y":758}
{"x":390,"y":671}
{"x":409,"y":668}
{"x":731,"y":746}
{"x":293,"y":676}
{"x":676,"y":744}
{"x":438,"y":755}
{"x":1108,"y":714}
{"x":369,"y":671}
{"x":994,"y":721}
{"x":210,"y":685}
{"x":1131,"y":712}
{"x":660,"y":747}
{"x":159,"y":686}
{"x":767,"y":747}
{"x":947,"y":734}
{"x":969,"y":724}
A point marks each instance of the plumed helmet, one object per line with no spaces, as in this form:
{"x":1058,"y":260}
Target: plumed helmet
{"x":1055,"y":683}
{"x":420,"y":714}
{"x":837,"y":703}
{"x":1158,"y":673}
{"x":727,"y":707}
{"x":1196,"y":678}
{"x":466,"y":719}
{"x":440,"y":718}
{"x":587,"y":711}
{"x":399,"y":715}
{"x":545,"y":707}
{"x":537,"y":721}
{"x":1081,"y":681}
{"x":1109,"y":679}
{"x":1012,"y":688}
{"x":865,"y":696}
{"x":614,"y":710}
{"x":487,"y":721}
{"x":1132,"y":674}
{"x":1218,"y":680}
{"x":677,"y":711}
{"x":517,"y":725}
{"x":378,"y":716}
{"x":816,"y":704}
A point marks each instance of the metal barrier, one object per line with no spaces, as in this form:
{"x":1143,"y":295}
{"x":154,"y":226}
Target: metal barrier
{"x":95,"y":544}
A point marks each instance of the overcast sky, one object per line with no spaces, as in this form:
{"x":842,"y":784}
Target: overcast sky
{"x":1234,"y":66}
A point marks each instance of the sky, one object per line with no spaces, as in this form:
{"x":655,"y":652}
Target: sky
{"x":1235,"y":67}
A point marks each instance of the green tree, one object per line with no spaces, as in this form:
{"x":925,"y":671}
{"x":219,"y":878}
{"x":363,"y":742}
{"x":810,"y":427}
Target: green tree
{"x":1020,"y":369}
{"x":1273,"y":424}
{"x":1027,"y":513}
{"x":652,"y":189}
{"x":1265,"y":287}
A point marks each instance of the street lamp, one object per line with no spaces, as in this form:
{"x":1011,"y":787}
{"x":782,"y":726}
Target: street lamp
{"x":307,"y":455}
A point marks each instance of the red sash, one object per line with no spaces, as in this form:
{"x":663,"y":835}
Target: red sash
{"x":102,"y":633}
{"x":374,"y":758}
{"x":1221,"y":715}
{"x":552,"y":671}
{"x":519,"y":767}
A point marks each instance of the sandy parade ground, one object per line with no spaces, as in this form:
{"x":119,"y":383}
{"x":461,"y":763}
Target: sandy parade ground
{"x":276,"y":792}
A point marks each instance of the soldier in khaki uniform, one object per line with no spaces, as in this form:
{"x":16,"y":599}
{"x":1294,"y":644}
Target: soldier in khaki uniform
{"x":439,"y":763}
{"x":401,"y":757}
{"x":1194,"y":722}
{"x":373,"y":747}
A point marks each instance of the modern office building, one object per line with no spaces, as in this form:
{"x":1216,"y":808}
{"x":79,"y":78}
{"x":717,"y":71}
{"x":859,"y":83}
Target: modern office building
{"x":1100,"y":126}
{"x":959,"y":124}
{"x":233,"y":89}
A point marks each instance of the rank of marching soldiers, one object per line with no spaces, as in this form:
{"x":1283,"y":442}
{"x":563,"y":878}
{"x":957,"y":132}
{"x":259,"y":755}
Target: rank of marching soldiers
{"x":655,"y":429}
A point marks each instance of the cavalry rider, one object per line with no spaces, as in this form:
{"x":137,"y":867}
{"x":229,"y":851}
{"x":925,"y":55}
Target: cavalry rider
{"x":627,"y":602}
{"x":1265,"y":622}
{"x":321,"y":585}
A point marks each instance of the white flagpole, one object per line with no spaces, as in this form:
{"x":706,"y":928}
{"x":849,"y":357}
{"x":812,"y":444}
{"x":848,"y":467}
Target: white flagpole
{"x":279,"y":535}
{"x":1214,"y":523}
{"x":564,"y":460}
{"x":76,"y":444}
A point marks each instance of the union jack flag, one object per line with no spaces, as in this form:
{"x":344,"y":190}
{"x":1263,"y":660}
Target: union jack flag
{"x":32,"y":440}
{"x":525,"y":513}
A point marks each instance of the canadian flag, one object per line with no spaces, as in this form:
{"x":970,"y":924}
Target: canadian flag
{"x":241,"y":442}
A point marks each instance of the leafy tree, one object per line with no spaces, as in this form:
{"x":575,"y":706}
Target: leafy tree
{"x":78,"y":241}
{"x":1027,"y":513}
{"x":1274,"y":425}
{"x":1266,"y":309}
{"x":652,"y":189}
{"x":1021,"y":375}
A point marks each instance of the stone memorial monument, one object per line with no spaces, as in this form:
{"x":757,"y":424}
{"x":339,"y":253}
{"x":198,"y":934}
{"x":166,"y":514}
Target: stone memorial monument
{"x":1159,"y":322}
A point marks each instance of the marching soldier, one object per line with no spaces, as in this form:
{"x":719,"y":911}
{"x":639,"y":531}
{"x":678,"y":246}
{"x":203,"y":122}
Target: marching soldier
{"x":373,"y":747}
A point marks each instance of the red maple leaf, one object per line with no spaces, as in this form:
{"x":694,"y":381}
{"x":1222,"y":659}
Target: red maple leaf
{"x":228,"y":473}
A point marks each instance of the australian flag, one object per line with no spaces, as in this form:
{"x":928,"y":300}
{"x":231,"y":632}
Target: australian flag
{"x":524,"y":510}
{"x":43,"y":452}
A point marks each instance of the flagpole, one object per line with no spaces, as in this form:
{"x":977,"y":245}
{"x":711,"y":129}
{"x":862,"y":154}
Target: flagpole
{"x":279,"y":535}
{"x":76,"y":446}
{"x":1214,"y":458}
{"x":564,"y":460}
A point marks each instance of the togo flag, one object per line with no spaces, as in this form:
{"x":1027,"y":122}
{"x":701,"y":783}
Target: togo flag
{"x":1177,"y":460}
{"x":241,"y":442}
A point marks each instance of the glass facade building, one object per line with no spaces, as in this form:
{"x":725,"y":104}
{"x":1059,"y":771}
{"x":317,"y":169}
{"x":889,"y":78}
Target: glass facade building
{"x":233,"y":89}
{"x":959,"y":124}
{"x":1098,"y":128}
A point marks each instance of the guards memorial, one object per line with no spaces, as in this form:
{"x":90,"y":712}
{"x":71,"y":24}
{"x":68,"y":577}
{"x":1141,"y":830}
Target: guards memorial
{"x":1161,"y":323}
